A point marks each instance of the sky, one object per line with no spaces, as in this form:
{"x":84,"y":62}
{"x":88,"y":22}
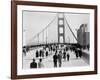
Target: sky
{"x":34,"y":22}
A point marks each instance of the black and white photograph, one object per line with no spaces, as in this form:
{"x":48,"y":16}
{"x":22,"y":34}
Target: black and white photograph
{"x":55,"y":39}
{"x":52,"y":39}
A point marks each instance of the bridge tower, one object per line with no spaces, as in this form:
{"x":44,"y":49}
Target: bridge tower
{"x":61,"y":28}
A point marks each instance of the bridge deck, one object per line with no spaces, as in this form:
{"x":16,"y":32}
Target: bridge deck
{"x":48,"y":61}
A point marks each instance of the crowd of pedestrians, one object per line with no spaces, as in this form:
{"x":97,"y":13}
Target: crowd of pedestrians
{"x":60,"y":53}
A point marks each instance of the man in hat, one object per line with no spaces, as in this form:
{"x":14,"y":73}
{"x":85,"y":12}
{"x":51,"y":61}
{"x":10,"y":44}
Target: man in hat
{"x":33,"y":64}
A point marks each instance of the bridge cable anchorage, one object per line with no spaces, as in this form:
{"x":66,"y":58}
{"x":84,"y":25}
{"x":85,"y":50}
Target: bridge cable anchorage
{"x":42,"y":30}
{"x":70,"y":28}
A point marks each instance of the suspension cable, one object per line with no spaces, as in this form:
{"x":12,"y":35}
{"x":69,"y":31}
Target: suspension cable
{"x":70,"y":28}
{"x":42,"y":30}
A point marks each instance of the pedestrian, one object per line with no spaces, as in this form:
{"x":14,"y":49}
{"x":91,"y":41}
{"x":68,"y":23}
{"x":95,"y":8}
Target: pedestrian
{"x":60,"y":58}
{"x":37,"y":54}
{"x":55,"y":57}
{"x":27,"y":49}
{"x":68,"y":56}
{"x":40,"y":53}
{"x":40,"y":63}
{"x":64,"y":55}
{"x":76,"y":52}
{"x":33,"y":64}
{"x":46,"y":53}
{"x":80,"y":53}
{"x":24,"y":51}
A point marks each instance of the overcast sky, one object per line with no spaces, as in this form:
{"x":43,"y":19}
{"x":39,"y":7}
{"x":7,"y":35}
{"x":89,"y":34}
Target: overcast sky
{"x":34,"y":22}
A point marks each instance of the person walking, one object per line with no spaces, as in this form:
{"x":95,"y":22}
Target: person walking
{"x":37,"y":54}
{"x":33,"y":64}
{"x":80,"y":53}
{"x":55,"y":57}
{"x":40,"y":53}
{"x":40,"y":64}
{"x":68,"y":56}
{"x":24,"y":51}
{"x":64,"y":55}
{"x":60,"y":58}
{"x":46,"y":53}
{"x":76,"y":52}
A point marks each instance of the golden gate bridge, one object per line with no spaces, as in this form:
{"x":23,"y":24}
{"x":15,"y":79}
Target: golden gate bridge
{"x":61,"y":33}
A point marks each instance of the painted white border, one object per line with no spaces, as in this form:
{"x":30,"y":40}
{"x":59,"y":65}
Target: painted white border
{"x":21,"y":71}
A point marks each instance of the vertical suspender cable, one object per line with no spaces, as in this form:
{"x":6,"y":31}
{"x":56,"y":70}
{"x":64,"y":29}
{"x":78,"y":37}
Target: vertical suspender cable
{"x":42,"y":29}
